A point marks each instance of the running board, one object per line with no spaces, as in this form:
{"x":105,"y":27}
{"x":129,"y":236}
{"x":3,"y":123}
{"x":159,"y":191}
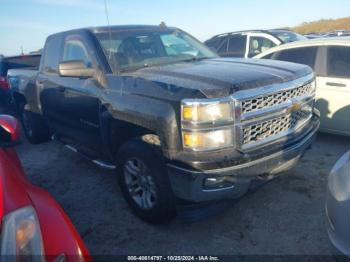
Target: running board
{"x":97,"y":162}
{"x":104,"y":164}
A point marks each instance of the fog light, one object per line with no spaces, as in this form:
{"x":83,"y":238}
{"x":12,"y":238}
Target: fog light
{"x":214,"y":183}
{"x":208,"y":140}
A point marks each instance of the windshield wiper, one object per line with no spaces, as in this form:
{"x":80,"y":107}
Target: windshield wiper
{"x":134,"y":68}
{"x":195,"y":59}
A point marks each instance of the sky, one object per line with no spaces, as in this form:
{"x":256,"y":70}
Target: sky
{"x":26,"y":23}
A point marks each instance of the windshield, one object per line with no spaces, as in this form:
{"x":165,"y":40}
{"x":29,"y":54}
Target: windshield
{"x":287,"y":36}
{"x":132,"y":49}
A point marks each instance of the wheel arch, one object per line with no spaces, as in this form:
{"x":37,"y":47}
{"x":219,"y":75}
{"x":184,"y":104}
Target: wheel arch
{"x":116,"y":131}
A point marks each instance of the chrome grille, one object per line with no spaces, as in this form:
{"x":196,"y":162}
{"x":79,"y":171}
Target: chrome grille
{"x":266,"y":101}
{"x":275,"y":127}
{"x":270,"y":113}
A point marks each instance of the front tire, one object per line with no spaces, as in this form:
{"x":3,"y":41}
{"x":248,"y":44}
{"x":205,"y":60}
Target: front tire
{"x":35,"y":128}
{"x":144,"y":182}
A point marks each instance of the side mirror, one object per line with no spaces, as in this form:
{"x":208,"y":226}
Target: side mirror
{"x":9,"y":130}
{"x":75,"y":68}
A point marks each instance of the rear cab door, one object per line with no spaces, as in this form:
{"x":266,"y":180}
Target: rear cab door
{"x":47,"y":82}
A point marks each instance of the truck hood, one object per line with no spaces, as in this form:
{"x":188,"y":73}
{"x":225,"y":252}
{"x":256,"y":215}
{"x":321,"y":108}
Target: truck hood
{"x":220,"y":77}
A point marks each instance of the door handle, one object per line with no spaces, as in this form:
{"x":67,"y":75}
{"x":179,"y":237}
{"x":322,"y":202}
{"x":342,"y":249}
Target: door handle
{"x":335,"y":84}
{"x":40,"y":84}
{"x":61,"y":89}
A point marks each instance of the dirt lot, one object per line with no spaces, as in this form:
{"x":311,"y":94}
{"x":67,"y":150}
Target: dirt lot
{"x":285,"y":216}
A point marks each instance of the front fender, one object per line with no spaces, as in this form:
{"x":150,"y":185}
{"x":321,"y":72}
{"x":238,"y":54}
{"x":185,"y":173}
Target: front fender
{"x":150,"y":113}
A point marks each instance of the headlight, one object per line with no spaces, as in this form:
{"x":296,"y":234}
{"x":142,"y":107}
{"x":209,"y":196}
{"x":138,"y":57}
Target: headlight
{"x":207,"y":124}
{"x":200,"y":111}
{"x":21,"y":236}
{"x":208,"y":140}
{"x":339,"y":179}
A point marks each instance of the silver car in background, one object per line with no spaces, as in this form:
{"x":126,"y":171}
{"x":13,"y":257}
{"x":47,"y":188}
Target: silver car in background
{"x":338,"y":205}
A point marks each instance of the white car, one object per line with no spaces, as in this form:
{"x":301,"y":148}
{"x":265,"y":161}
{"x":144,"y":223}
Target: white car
{"x":330,"y":59}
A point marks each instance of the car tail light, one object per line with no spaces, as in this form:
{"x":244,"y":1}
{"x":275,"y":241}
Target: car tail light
{"x":3,"y":83}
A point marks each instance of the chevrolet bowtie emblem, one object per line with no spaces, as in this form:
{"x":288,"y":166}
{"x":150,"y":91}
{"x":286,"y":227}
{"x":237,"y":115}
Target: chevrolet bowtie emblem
{"x":295,"y":107}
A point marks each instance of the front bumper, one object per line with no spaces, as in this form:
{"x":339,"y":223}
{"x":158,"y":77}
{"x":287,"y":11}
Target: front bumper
{"x":188,"y":183}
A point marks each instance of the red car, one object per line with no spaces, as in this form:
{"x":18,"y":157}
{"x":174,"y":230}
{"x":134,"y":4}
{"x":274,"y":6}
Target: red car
{"x":33,"y":226}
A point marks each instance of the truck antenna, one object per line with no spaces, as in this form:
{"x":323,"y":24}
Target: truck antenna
{"x":109,"y":31}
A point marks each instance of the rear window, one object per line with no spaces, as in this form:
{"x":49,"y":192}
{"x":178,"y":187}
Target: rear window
{"x":214,"y":42}
{"x":303,"y":55}
{"x":222,"y":48}
{"x":25,"y":61}
{"x":237,"y":45}
{"x":338,"y":61}
{"x":218,"y":44}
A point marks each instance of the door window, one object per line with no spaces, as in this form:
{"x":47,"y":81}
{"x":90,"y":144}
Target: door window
{"x":218,"y":43}
{"x":259,"y":44}
{"x":75,"y":50}
{"x":237,"y":45}
{"x":51,"y":54}
{"x":303,"y":55}
{"x":338,"y":61}
{"x":222,"y":46}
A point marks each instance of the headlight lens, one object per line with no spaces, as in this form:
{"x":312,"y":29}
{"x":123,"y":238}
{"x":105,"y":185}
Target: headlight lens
{"x":21,"y":236}
{"x":198,"y":112}
{"x":208,"y":140}
{"x":207,"y":124}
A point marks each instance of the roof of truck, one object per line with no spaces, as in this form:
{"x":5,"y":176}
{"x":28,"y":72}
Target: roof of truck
{"x":127,"y":27}
{"x":101,"y":29}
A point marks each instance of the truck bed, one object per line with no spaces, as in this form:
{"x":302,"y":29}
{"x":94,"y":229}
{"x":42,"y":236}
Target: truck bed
{"x":19,"y":78}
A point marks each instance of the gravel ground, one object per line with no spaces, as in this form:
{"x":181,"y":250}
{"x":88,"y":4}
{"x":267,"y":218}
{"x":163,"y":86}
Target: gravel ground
{"x":285,"y":216}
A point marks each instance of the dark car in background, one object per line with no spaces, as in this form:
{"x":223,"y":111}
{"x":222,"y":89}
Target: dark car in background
{"x":250,"y":43}
{"x":31,"y":61}
{"x":337,"y":33}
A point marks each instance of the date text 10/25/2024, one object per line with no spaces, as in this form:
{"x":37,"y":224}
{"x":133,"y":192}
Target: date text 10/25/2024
{"x":173,"y":258}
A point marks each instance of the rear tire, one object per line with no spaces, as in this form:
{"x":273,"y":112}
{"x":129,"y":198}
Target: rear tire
{"x":35,"y":128}
{"x":144,"y":182}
